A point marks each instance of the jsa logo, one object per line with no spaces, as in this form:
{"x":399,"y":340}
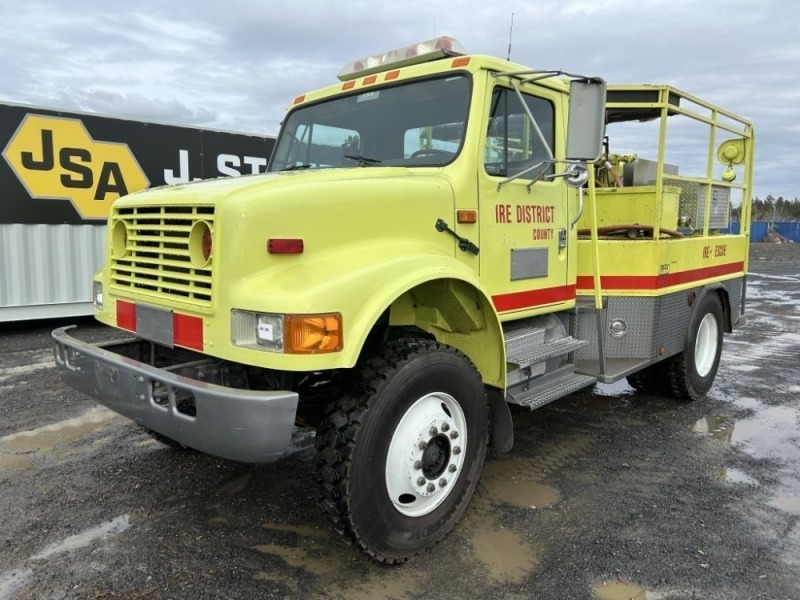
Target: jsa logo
{"x":57,"y":158}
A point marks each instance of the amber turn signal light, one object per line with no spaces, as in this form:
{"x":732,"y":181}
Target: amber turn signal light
{"x":312,"y":334}
{"x":467,"y":216}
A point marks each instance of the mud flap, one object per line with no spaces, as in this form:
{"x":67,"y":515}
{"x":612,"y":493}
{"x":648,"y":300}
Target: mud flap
{"x":501,"y":436}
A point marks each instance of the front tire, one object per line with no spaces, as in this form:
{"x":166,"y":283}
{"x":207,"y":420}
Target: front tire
{"x":399,"y":462}
{"x":691,"y":373}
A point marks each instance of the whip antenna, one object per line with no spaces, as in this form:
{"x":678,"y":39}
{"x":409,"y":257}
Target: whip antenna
{"x":510,"y":33}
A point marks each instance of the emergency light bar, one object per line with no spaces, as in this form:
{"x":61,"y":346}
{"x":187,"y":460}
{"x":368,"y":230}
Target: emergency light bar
{"x":401,"y":57}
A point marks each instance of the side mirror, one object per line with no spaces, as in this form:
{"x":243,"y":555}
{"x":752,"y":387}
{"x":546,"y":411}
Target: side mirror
{"x":587,"y":123}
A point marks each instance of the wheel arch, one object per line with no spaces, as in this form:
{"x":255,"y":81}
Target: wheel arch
{"x":456,"y":313}
{"x":722,"y":293}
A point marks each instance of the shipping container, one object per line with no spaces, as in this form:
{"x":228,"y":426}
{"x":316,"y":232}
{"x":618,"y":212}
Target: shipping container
{"x":60,"y":173}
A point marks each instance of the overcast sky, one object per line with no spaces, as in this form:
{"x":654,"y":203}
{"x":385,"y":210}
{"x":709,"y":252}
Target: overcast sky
{"x":236,"y":64}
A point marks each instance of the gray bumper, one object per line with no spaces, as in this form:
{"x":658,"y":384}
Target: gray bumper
{"x":245,"y":425}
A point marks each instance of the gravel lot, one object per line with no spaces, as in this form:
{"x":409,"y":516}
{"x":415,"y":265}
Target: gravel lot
{"x":606,"y":495}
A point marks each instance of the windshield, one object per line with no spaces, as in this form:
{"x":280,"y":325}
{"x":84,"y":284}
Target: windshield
{"x":420,"y":123}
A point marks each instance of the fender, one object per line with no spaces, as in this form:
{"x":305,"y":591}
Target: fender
{"x":722,"y":292}
{"x":349,"y":280}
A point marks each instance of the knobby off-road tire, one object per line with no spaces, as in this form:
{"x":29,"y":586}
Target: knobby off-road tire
{"x":649,"y":380}
{"x":690,"y":374}
{"x":399,"y":460}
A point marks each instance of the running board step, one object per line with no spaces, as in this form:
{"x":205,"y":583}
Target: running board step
{"x":520,"y":338}
{"x":536,"y":354}
{"x":547,"y":389}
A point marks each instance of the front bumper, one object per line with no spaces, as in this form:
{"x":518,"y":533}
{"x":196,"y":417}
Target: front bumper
{"x":238,"y":424}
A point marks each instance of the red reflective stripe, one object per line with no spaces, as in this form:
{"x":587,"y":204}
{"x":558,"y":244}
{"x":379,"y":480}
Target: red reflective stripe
{"x":187,"y":331}
{"x":533,"y":298}
{"x":657,"y":282}
{"x":126,"y":315}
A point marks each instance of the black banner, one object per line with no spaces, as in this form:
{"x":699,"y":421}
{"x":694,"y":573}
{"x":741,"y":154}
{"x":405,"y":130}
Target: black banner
{"x":61,"y":167}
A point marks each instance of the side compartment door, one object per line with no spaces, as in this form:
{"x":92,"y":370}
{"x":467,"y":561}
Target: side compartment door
{"x":523,"y":258}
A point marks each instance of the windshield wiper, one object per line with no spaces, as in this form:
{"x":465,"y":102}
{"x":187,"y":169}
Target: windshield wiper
{"x":297,"y":167}
{"x":364,"y":161}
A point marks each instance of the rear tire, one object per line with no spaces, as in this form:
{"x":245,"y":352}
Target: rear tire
{"x":690,"y":374}
{"x":399,"y":462}
{"x":649,"y":380}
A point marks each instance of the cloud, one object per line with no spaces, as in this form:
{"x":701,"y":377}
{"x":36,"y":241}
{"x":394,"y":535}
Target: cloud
{"x":236,"y":65}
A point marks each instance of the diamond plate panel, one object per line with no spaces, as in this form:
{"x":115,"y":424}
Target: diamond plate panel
{"x":734,"y":287}
{"x":639,"y":315}
{"x":693,"y":200}
{"x":673,"y":320}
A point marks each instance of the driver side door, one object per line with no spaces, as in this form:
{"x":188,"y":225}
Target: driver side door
{"x":523,"y":259}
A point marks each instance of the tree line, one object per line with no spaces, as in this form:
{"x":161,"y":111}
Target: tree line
{"x":772,"y":209}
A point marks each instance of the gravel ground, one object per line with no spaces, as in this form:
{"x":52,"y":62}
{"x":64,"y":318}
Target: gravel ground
{"x":606,"y":495}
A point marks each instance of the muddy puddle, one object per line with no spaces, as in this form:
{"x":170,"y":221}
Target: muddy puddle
{"x":789,"y":503}
{"x":56,"y":434}
{"x":525,"y":494}
{"x":11,"y":582}
{"x":507,"y":557}
{"x":85,"y":537}
{"x":307,"y":557}
{"x":737,"y":476}
{"x":313,"y":550}
{"x":618,"y":388}
{"x":616,"y":590}
{"x":15,"y":464}
{"x":36,"y":361}
{"x":771,"y":432}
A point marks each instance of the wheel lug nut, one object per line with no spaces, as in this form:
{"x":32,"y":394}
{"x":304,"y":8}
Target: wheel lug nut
{"x":453,"y":435}
{"x":442,"y":482}
{"x":418,"y":464}
{"x":433,"y":431}
{"x":420,"y":481}
{"x":452,"y":468}
{"x":431,"y":487}
{"x":456,"y":449}
{"x":423,"y":445}
{"x":445,"y":427}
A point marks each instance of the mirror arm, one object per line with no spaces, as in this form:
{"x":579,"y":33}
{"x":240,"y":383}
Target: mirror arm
{"x":526,"y":171}
{"x":580,"y":208}
{"x":533,"y":121}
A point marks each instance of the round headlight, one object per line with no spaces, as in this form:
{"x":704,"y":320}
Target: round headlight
{"x":200,"y":244}
{"x":119,"y":239}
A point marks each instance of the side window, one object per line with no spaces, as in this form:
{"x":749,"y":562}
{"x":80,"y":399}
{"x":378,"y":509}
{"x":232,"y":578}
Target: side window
{"x":323,"y":146}
{"x":512,"y":144}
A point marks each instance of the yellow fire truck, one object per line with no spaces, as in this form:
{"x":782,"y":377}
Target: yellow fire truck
{"x":439,"y":235}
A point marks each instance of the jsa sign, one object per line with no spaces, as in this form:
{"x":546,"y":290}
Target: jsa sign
{"x":57,"y":158}
{"x":66,"y":168}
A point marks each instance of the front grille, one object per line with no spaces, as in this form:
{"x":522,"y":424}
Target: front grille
{"x":157,"y":262}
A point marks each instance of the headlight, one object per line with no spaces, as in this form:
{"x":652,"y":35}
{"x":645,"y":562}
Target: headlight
{"x":97,"y":294}
{"x":291,"y":334}
{"x":269,"y":331}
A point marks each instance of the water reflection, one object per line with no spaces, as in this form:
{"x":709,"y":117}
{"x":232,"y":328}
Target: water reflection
{"x":715,"y":426}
